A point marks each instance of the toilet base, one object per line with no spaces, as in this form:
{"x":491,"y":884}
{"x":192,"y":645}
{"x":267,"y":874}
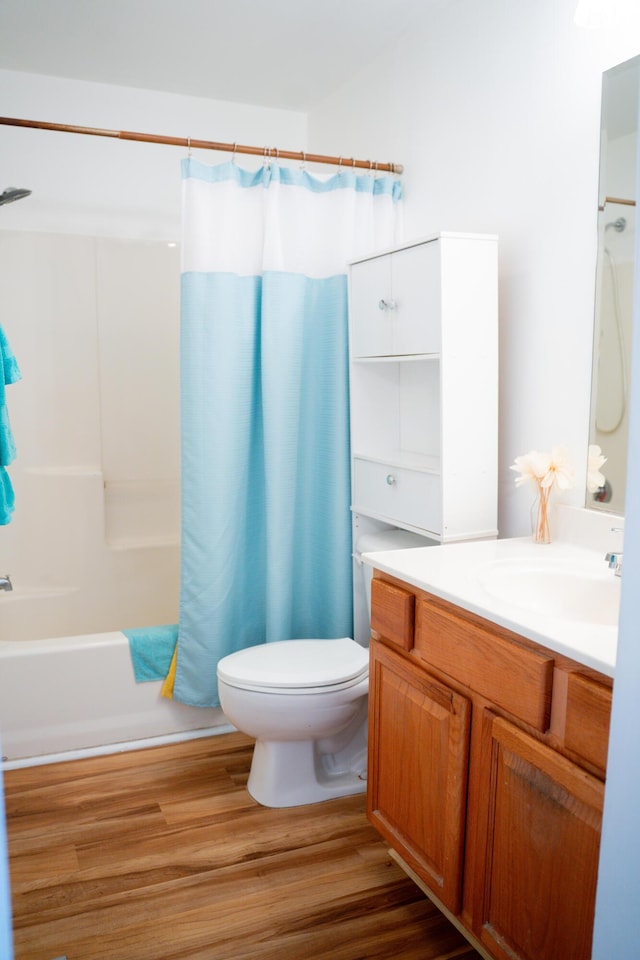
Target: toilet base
{"x":293,"y":773}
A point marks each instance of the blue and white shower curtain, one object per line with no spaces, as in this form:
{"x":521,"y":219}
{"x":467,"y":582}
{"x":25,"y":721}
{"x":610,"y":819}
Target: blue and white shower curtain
{"x":266,"y":531}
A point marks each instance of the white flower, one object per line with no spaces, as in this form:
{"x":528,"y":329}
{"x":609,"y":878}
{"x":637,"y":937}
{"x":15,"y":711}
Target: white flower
{"x":561,"y":473}
{"x":532,"y":466}
{"x":595,"y":479}
{"x":545,"y":469}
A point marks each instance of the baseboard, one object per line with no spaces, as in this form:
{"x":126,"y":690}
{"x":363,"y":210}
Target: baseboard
{"x":123,"y":747}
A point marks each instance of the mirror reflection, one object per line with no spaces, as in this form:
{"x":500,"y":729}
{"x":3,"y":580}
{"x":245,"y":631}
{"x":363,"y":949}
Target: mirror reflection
{"x":614,"y":287}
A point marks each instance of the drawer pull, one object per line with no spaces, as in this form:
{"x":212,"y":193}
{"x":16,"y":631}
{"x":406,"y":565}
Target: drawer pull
{"x":391,"y":479}
{"x":386,"y":305}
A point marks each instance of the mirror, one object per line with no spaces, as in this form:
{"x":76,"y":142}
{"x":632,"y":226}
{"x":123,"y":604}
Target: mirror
{"x":614,"y":287}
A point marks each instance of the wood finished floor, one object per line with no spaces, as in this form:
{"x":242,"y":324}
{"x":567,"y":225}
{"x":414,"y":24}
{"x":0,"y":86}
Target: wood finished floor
{"x":161,"y":854}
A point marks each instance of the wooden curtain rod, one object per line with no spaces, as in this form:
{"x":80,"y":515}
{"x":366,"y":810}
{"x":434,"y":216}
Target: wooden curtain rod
{"x":627,"y":203}
{"x":191,"y":143}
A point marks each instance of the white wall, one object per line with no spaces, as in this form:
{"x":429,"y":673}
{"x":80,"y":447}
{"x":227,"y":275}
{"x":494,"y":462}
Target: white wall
{"x":94,"y":185}
{"x":495,"y":113}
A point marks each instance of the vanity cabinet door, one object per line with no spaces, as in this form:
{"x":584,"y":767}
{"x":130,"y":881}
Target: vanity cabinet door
{"x":417,"y":778}
{"x":538,"y":831}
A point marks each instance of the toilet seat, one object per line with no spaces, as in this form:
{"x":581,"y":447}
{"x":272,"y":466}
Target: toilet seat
{"x":296,"y":666}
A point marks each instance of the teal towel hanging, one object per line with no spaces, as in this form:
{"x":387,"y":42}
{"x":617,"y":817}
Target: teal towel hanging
{"x":7,"y":498}
{"x":151,"y":650}
{"x":9,"y":373}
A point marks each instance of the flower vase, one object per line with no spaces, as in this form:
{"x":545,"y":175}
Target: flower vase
{"x":540,"y":516}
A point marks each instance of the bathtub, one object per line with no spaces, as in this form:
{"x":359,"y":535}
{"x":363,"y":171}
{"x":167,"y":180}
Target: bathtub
{"x":77,"y":696}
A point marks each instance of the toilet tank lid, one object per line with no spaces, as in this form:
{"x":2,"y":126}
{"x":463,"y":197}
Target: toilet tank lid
{"x":296,"y":663}
{"x":390,"y":540}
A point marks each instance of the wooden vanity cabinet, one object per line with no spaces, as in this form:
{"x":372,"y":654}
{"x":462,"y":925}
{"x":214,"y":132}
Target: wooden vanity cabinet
{"x":487,"y":758}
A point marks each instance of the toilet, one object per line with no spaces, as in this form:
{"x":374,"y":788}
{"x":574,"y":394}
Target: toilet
{"x":305,"y":702}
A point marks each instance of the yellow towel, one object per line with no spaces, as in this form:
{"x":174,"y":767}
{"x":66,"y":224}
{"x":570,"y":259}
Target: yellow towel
{"x":167,"y":685}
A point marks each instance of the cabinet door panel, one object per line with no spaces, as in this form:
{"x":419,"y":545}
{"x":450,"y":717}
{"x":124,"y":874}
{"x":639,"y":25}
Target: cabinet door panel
{"x":418,"y":757}
{"x":416,"y":288}
{"x":372,"y":327}
{"x":396,"y":303}
{"x":543,"y":820}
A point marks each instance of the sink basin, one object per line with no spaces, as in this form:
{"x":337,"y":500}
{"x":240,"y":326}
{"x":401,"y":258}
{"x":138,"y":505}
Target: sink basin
{"x":567,"y":591}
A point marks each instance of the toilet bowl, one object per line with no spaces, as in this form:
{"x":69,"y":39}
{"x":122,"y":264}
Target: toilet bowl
{"x":305,"y":703}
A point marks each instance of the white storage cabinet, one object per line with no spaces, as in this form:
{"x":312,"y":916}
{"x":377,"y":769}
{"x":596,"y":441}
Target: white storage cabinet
{"x":424,"y":386}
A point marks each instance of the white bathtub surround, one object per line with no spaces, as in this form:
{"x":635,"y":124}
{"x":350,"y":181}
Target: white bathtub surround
{"x":94,"y":541}
{"x":562,"y":594}
{"x":62,"y":696}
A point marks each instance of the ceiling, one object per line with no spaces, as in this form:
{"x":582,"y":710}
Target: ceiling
{"x":289,"y":54}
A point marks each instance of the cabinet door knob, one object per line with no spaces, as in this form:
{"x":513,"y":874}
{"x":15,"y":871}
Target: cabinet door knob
{"x":391,"y":479}
{"x":386,"y":305}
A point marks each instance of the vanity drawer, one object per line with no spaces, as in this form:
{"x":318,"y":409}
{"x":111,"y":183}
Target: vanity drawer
{"x":513,"y":677}
{"x":393,"y":613}
{"x":397,"y":493}
{"x":588,"y":714}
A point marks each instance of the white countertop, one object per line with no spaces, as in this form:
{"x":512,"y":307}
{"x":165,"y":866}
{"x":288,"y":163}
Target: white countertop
{"x":464,"y":574}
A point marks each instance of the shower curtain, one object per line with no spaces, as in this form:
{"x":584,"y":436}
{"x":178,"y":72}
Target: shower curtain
{"x":266,"y":531}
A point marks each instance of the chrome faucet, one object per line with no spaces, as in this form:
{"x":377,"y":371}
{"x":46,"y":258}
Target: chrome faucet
{"x":615,"y":563}
{"x":5,"y":582}
{"x":614,"y":559}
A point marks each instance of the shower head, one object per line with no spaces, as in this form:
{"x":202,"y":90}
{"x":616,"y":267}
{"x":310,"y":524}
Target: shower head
{"x":13,"y":193}
{"x":617,"y":225}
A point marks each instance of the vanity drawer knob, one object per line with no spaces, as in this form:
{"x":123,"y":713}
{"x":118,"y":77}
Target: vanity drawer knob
{"x":391,"y":479}
{"x":386,"y":305}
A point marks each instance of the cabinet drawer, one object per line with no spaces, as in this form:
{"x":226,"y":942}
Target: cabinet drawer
{"x":587,"y":720}
{"x":514,"y":678}
{"x":393,"y":613}
{"x":397,"y":494}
